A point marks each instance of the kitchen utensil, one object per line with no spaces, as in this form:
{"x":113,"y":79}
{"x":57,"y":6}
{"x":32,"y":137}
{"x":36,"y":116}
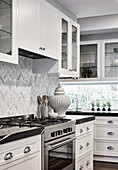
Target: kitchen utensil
{"x":40,"y":100}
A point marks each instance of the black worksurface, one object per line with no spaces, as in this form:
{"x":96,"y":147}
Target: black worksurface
{"x":81,"y":118}
{"x":10,"y":134}
{"x":95,"y":113}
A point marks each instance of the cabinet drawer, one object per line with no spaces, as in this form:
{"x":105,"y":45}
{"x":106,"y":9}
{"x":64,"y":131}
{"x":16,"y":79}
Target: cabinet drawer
{"x":84,"y":128}
{"x":85,"y":162}
{"x":17,"y":149}
{"x":111,"y":121}
{"x":84,"y":144}
{"x":104,"y":132}
{"x":105,"y":148}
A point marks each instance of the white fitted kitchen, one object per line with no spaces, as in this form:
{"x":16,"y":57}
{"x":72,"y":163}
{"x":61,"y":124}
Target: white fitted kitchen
{"x":58,"y":85}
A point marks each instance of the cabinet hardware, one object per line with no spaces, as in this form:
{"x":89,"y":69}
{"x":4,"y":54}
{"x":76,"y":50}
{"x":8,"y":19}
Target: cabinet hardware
{"x":40,"y":48}
{"x":43,"y":49}
{"x":110,"y":147}
{"x":110,"y":133}
{"x":110,"y":121}
{"x":87,"y":128}
{"x":27,"y":149}
{"x":87,"y":144}
{"x":81,"y":147}
{"x":81,"y":130}
{"x":70,"y":70}
{"x":87,"y":163}
{"x":81,"y":167}
{"x":8,"y":156}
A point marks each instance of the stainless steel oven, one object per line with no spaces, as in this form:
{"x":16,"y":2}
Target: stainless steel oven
{"x":59,"y":154}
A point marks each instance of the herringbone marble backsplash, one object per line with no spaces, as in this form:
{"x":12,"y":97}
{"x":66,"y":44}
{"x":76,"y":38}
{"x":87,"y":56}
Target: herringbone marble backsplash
{"x":19,"y":87}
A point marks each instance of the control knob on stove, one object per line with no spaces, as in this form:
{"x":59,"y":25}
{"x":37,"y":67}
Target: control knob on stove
{"x":65,"y":130}
{"x":59,"y":132}
{"x":53,"y":134}
{"x":69,"y":129}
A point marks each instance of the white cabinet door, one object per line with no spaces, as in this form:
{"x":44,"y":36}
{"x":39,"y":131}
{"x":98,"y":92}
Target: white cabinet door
{"x":8,"y":31}
{"x":31,"y":162}
{"x":70,"y":40}
{"x":50,"y":30}
{"x":29,"y":29}
{"x":90,"y":60}
{"x":110,"y":59}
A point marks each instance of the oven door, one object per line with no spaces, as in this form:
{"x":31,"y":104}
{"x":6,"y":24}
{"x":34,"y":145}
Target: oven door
{"x":60,"y":154}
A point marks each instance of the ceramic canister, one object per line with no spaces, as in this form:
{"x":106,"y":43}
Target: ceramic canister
{"x":59,"y":101}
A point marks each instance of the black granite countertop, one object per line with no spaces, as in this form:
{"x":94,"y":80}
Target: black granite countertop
{"x":81,"y":118}
{"x":9,"y":134}
{"x":95,"y":113}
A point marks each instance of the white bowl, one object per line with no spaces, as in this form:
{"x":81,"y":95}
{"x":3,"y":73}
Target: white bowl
{"x":53,"y":115}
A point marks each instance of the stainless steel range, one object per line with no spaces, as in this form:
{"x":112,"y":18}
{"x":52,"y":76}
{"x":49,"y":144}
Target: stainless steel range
{"x":58,"y":139}
{"x":59,"y":152}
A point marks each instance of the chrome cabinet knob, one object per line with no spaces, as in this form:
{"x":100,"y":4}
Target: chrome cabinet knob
{"x":40,"y":48}
{"x":87,"y":144}
{"x":87,"y":128}
{"x":110,"y":133}
{"x":81,"y":167}
{"x":87,"y":163}
{"x":81,"y":147}
{"x":110,"y":121}
{"x":110,"y":148}
{"x":43,"y":49}
{"x":27,"y":149}
{"x":81,"y":130}
{"x":8,"y":156}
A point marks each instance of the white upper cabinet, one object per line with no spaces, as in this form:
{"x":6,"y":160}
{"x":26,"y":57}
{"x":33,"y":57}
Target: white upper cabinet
{"x":89,"y":60}
{"x":8,"y":31}
{"x":110,"y":59}
{"x":39,"y":25}
{"x":29,"y":29}
{"x":70,"y":46}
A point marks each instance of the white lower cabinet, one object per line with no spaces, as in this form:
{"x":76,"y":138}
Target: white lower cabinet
{"x":106,"y":139}
{"x":21,"y":154}
{"x":84,"y":146}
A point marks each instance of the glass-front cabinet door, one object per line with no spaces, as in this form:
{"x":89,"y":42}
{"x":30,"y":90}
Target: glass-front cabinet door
{"x":8,"y":37}
{"x":70,"y":41}
{"x":110,"y":59}
{"x":90,"y":60}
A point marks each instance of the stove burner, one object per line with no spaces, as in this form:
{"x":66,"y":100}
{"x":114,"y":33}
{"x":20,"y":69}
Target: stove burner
{"x":31,"y":121}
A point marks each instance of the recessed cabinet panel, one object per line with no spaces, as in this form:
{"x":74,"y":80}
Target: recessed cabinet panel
{"x":74,"y":48}
{"x":8,"y":31}
{"x":111,"y":59}
{"x":88,"y":61}
{"x":64,"y":62}
{"x":6,"y":27}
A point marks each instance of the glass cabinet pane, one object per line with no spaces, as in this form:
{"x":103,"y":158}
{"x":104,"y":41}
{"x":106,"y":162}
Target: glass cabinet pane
{"x":6,"y":26}
{"x":88,"y":61}
{"x":64,"y":62}
{"x":74,"y":48}
{"x":111,"y":59}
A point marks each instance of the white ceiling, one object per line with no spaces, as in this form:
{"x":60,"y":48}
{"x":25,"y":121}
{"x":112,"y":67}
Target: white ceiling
{"x":90,"y":8}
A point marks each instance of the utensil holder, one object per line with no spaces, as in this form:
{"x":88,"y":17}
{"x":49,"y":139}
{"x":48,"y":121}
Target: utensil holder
{"x":44,"y":111}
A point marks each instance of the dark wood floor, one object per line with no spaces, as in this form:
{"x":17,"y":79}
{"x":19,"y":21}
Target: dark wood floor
{"x":105,"y":166}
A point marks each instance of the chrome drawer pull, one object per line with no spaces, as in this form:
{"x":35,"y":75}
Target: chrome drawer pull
{"x":8,"y":156}
{"x":110,"y":147}
{"x":27,"y":149}
{"x":43,"y":48}
{"x":110,"y":133}
{"x":87,"y":128}
{"x":110,"y":121}
{"x":88,"y":162}
{"x":87,"y":144}
{"x":81,"y":167}
{"x":81,"y":130}
{"x":81,"y":147}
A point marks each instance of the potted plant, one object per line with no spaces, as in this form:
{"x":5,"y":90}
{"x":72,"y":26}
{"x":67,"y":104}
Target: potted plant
{"x":104,"y":105}
{"x":92,"y":104}
{"x":98,"y":105}
{"x":86,"y":73}
{"x":109,"y":105}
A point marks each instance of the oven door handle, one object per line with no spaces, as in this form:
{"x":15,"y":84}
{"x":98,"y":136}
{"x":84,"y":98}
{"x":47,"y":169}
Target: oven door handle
{"x":60,"y":143}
